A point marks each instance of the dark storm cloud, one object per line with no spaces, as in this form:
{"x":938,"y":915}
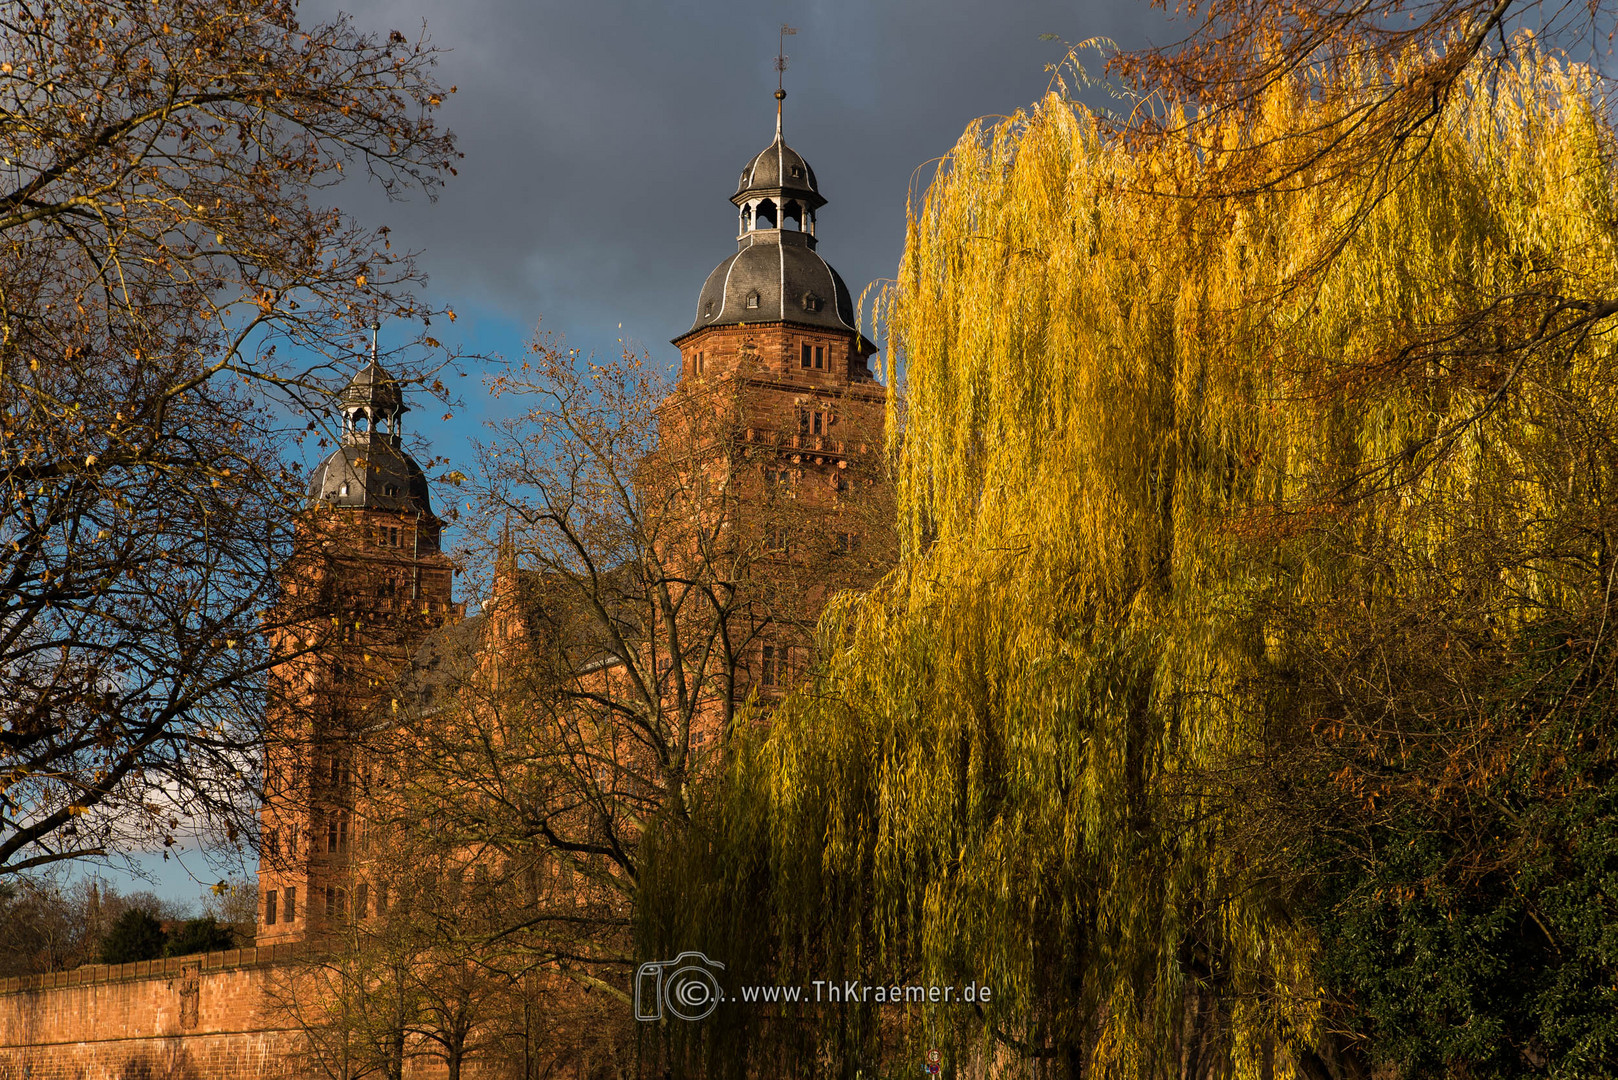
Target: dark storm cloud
{"x":603,"y":140}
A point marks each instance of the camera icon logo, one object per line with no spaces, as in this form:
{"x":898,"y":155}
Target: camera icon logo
{"x":684,"y":988}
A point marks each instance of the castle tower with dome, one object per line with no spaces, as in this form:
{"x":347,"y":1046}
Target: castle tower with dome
{"x":775,"y":344}
{"x":368,"y":551}
{"x":776,"y":335}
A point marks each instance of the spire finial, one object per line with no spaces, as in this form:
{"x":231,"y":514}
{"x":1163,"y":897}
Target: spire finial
{"x":376,"y":326}
{"x":780,"y":74}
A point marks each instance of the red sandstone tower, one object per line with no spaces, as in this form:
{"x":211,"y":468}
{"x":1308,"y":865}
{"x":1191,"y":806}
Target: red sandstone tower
{"x":775,"y":334}
{"x":369,"y":571}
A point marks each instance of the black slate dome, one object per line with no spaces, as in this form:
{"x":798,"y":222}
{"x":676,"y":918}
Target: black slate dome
{"x":369,"y":470}
{"x":776,"y":274}
{"x":778,"y":167}
{"x":774,"y":278}
{"x":373,"y":388}
{"x":370,"y":473}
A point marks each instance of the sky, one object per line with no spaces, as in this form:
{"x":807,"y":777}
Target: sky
{"x":602,"y":142}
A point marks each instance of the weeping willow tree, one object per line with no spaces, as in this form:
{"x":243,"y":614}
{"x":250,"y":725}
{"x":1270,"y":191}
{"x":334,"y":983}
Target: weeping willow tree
{"x":1185,"y":485}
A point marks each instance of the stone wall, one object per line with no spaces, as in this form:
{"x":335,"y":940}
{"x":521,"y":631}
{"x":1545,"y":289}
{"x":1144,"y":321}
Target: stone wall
{"x":186,"y":1018}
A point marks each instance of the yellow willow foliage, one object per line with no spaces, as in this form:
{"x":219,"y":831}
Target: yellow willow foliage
{"x":1131,"y":416}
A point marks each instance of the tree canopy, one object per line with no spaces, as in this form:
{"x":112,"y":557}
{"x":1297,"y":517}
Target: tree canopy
{"x":173,"y":294}
{"x":1229,"y":533}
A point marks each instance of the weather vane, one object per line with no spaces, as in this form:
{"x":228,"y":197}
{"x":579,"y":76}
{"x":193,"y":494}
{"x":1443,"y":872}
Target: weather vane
{"x":780,"y":73}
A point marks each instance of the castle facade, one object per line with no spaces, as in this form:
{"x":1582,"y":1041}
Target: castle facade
{"x":771,"y":494}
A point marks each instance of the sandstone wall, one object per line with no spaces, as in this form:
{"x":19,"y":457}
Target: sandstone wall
{"x":187,"y":1018}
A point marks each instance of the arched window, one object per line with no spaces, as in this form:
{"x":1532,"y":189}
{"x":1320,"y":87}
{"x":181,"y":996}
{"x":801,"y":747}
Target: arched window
{"x":792,"y":216}
{"x":766,"y":215}
{"x":747,"y":216}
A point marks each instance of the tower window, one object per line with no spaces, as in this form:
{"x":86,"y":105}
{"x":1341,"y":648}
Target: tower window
{"x":337,"y":833}
{"x":771,"y":670}
{"x":820,"y":357}
{"x":361,"y":900}
{"x":806,"y":358}
{"x":269,"y":907}
{"x":291,"y":905}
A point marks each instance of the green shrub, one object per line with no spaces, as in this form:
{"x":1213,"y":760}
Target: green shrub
{"x":137,"y":935}
{"x":197,"y":936}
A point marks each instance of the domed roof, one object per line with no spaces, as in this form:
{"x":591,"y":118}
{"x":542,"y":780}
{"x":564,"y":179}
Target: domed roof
{"x":375,"y":388}
{"x":370,"y":472}
{"x":775,"y":276}
{"x":779,"y":168}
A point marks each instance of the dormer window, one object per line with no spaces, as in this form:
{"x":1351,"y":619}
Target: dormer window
{"x":811,"y":302}
{"x":796,"y":172}
{"x":752,"y":299}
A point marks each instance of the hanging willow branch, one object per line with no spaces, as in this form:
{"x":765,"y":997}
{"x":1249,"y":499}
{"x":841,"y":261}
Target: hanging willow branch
{"x":1142,"y":489}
